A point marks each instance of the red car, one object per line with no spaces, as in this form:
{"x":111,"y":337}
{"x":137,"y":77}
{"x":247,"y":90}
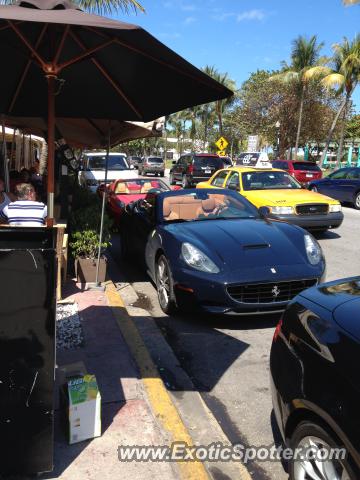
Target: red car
{"x":122,"y":192}
{"x":304,"y":172}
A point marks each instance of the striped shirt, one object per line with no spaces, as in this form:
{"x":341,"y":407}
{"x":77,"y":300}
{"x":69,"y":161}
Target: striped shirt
{"x":25,"y":213}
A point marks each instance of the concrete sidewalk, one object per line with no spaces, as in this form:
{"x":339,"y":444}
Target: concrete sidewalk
{"x":127,"y":418}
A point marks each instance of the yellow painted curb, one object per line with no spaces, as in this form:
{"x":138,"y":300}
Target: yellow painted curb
{"x":159,"y":398}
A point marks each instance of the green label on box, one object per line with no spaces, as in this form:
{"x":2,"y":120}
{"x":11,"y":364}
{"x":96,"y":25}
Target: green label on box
{"x":82,"y":389}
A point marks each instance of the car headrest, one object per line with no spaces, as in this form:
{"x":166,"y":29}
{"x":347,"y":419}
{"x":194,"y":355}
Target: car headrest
{"x":208,"y":205}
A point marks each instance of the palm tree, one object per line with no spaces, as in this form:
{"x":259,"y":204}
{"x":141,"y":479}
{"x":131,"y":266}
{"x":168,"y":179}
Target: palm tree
{"x":102,"y":7}
{"x":343,"y":78}
{"x":351,"y":2}
{"x":221,"y":105}
{"x":304,"y":55}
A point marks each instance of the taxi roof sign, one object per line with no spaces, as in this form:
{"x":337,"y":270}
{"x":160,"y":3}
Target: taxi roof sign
{"x":254,"y":160}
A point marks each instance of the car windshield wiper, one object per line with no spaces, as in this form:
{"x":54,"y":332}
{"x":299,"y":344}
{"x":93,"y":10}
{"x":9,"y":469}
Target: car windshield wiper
{"x":224,"y":218}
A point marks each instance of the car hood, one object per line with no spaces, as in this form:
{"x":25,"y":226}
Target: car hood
{"x":288,"y":197}
{"x":244,"y":243}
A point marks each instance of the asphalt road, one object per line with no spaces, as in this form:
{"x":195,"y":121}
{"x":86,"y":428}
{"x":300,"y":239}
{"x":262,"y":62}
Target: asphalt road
{"x":227,"y":358}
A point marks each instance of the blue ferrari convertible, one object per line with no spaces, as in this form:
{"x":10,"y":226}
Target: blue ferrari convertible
{"x":212,"y":249}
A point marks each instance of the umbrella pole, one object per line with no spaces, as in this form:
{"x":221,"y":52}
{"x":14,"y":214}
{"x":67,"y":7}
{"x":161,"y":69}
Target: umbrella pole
{"x":51,"y":150}
{"x":97,"y":283}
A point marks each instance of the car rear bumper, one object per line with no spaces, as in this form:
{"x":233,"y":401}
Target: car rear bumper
{"x":330,"y":220}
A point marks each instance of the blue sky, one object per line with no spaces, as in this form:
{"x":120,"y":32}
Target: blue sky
{"x":241,"y":36}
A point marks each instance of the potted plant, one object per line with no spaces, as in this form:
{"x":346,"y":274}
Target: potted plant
{"x":84,"y":243}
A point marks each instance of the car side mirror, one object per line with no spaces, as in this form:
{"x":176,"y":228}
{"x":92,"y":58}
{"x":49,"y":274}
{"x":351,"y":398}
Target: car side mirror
{"x":233,"y":186}
{"x":132,"y":167}
{"x":174,"y":162}
{"x":264,"y":212}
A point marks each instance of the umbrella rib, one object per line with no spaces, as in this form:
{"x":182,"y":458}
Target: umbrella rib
{"x":87,"y":53}
{"x":28,"y":44}
{"x":98,"y":129}
{"x":23,"y":76}
{"x":108,"y":77}
{"x":158,"y":60}
{"x":5,"y":27}
{"x":61,"y":44}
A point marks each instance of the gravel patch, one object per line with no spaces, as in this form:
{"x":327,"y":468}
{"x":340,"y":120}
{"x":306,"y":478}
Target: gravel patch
{"x":69,"y":332}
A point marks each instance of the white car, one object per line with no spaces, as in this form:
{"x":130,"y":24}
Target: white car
{"x":92,"y":174}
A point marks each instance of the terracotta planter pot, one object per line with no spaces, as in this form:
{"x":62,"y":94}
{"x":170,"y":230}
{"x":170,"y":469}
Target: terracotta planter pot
{"x":85,"y":269}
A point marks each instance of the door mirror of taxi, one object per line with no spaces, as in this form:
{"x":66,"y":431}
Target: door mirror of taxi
{"x":233,"y":186}
{"x":264,"y":212}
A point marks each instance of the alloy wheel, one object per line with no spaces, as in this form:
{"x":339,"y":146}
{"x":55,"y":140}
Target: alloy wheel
{"x":357,"y":201}
{"x":163,"y":283}
{"x":314,"y":468}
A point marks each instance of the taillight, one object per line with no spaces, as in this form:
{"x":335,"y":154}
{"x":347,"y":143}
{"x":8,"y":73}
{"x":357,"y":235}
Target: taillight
{"x":190,"y":168}
{"x":278,"y":329}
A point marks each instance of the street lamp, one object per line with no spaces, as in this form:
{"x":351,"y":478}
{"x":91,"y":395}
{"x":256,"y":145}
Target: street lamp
{"x":277,"y":125}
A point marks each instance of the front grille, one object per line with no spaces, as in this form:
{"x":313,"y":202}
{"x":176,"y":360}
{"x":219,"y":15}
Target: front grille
{"x":274,"y":292}
{"x":312,"y":209}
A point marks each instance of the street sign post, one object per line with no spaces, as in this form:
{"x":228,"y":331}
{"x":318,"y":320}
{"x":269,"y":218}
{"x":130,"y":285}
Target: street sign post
{"x":222,"y":143}
{"x":253,"y":141}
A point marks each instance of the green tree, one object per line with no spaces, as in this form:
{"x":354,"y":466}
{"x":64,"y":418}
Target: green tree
{"x":304,"y":55}
{"x":342,"y":76}
{"x":102,"y":7}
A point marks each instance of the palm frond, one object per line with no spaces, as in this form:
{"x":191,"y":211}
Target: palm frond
{"x":316,"y":72}
{"x":350,"y":2}
{"x":333,"y":81}
{"x":106,"y":7}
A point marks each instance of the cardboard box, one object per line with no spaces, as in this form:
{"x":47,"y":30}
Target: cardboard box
{"x":84,"y":408}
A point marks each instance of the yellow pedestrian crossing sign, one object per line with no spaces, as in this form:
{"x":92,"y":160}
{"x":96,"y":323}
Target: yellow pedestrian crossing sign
{"x":222,"y":143}
{"x":221,"y":153}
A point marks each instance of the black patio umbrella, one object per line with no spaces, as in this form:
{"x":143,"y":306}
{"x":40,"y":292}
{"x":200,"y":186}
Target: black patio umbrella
{"x":61,"y":59}
{"x":88,"y":132}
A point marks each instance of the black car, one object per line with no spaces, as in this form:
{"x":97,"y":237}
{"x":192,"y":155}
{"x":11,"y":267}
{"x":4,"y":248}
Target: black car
{"x":193,"y":168}
{"x":315,"y":376}
{"x":343,"y":185}
{"x":211,"y":249}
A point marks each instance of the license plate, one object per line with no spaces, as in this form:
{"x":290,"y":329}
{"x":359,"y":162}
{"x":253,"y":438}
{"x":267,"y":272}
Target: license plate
{"x":309,"y":175}
{"x":207,"y":171}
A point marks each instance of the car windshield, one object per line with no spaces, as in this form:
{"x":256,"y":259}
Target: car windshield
{"x":116,"y":162}
{"x":269,"y":180}
{"x":139,"y":186}
{"x":155,"y":160}
{"x":311,"y":167}
{"x":205,"y":205}
{"x":213,"y":162}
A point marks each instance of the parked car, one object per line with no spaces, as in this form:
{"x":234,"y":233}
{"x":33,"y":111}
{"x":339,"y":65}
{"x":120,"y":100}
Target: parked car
{"x":154,"y":165}
{"x":304,"y":172}
{"x":211,"y":249}
{"x":122,"y":192}
{"x":92,"y":174}
{"x":134,"y":161}
{"x":227,"y":161}
{"x":343,"y":184}
{"x":315,"y":378}
{"x":193,"y":168}
{"x":282,"y":194}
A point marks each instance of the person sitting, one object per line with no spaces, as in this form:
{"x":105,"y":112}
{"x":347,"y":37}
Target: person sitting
{"x":5,"y":198}
{"x":25,"y":211}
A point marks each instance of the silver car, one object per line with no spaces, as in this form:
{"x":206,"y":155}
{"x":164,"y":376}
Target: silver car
{"x":153,"y":165}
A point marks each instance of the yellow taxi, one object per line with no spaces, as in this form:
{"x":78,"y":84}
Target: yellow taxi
{"x":285,"y":198}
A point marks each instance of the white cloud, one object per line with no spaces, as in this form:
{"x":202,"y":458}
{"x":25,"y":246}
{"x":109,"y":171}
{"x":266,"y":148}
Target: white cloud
{"x":188,"y":7}
{"x":189,"y":20}
{"x":221,"y":17}
{"x":251,"y":15}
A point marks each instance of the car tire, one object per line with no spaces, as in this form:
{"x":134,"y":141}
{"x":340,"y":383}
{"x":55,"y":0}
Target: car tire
{"x":357,"y":201}
{"x":165,"y":286}
{"x":308,"y":434}
{"x":313,"y":188}
{"x":171,"y":179}
{"x":185,"y":182}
